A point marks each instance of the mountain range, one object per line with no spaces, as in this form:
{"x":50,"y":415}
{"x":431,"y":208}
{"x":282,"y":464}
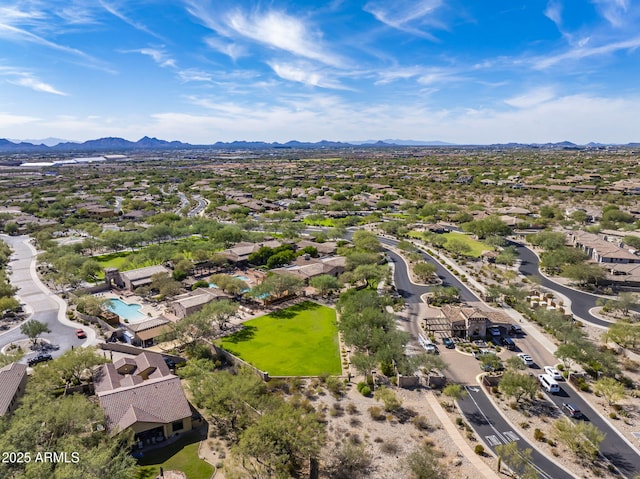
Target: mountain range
{"x":111,"y":144}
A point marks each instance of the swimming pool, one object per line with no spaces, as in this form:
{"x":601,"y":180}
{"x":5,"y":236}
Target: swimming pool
{"x":243,"y":278}
{"x":130,"y":312}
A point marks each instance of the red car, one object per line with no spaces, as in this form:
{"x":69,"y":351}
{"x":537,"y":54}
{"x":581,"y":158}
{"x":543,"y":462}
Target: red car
{"x":81,"y":334}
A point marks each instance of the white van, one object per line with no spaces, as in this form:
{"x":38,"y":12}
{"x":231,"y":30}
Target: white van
{"x":548,"y":383}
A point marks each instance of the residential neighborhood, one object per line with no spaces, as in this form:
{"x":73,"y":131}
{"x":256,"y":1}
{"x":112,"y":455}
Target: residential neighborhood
{"x":205,"y":308}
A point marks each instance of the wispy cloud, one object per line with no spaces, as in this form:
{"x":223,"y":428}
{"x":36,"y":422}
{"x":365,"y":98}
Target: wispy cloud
{"x":407,"y":15}
{"x":532,"y":98}
{"x":37,"y":85}
{"x":306,"y":74}
{"x":231,"y":49}
{"x":115,"y":11}
{"x":581,"y":52}
{"x":554,"y":12}
{"x":17,"y":34}
{"x":193,"y":74}
{"x":20,"y":77}
{"x":616,"y":12}
{"x":161,"y":57}
{"x":273,"y":29}
{"x":8,"y":120}
{"x":281,"y":31}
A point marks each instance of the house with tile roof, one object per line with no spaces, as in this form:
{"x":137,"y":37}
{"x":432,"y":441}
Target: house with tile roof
{"x":134,"y":278}
{"x":13,"y":379}
{"x":142,"y":394}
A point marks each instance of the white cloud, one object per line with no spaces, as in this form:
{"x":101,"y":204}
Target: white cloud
{"x":37,"y":85}
{"x":304,"y":73}
{"x":9,"y":120}
{"x":554,"y":12}
{"x":279,"y":30}
{"x":531,"y":98}
{"x":581,"y":52}
{"x":232,"y":50}
{"x":159,"y":56}
{"x":614,"y":11}
{"x":113,"y":10}
{"x":406,"y":15}
{"x":192,"y":74}
{"x":272,"y":28}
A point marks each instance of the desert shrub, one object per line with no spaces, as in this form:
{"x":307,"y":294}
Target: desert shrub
{"x":365,"y":391}
{"x":377,"y":413}
{"x":538,"y":435}
{"x":421,"y":423}
{"x":479,"y":449}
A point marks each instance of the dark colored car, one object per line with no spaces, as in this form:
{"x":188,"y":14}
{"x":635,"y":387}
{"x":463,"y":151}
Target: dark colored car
{"x":508,"y":343}
{"x":40,"y":358}
{"x":516,"y":329}
{"x":571,"y":410}
{"x":448,"y":343}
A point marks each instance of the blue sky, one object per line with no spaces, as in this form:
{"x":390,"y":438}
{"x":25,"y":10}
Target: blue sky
{"x":202,"y":71}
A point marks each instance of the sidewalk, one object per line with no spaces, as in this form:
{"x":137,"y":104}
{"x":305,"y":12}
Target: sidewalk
{"x":458,"y":440}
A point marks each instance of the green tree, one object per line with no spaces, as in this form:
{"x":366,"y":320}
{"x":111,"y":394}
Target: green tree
{"x":220,"y":312}
{"x":77,"y":364}
{"x":454,"y":391}
{"x":366,"y":241}
{"x":282,"y":441}
{"x":610,"y":389}
{"x":584,"y":273}
{"x":518,"y":385}
{"x":389,"y":399}
{"x":581,"y":437}
{"x":424,"y":271}
{"x":325,"y":284}
{"x":518,"y":460}
{"x":350,"y":461}
{"x":34,"y":328}
{"x":423,"y":463}
{"x":277,"y":285}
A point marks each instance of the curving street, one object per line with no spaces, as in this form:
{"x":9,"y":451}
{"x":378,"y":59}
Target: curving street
{"x":581,"y":302}
{"x":41,"y":304}
{"x":479,"y":411}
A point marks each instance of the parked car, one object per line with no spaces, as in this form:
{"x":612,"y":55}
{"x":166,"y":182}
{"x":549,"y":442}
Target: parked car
{"x":40,"y":358}
{"x":553,"y":372}
{"x":571,"y":410}
{"x":81,"y":334}
{"x":494,"y":331}
{"x":481,"y":352}
{"x":526,"y":359}
{"x":495,"y":367}
{"x":508,"y":343}
{"x":515,"y":329}
{"x":448,"y":343}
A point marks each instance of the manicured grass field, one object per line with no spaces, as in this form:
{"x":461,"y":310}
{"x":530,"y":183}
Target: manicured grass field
{"x":477,"y":247}
{"x":326,"y":222}
{"x":179,"y":456}
{"x":301,"y":340}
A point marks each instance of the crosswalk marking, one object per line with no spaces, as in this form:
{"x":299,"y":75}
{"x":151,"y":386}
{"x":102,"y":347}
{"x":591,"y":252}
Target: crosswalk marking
{"x":512,"y":436}
{"x":493,"y":440}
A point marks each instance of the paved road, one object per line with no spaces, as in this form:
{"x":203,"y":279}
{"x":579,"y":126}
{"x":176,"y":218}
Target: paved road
{"x":614,"y":448}
{"x":489,"y":424}
{"x":581,"y":302}
{"x":38,"y":299}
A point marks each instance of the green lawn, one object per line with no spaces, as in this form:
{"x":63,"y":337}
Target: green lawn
{"x":326,"y":222}
{"x":301,"y":340}
{"x":477,"y":247}
{"x":182,"y":455}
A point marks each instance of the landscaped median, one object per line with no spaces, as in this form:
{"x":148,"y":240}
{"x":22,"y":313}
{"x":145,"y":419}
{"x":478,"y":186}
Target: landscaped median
{"x":301,"y":340}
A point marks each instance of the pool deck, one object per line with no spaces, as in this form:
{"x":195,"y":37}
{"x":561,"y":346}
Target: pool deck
{"x":146,"y":308}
